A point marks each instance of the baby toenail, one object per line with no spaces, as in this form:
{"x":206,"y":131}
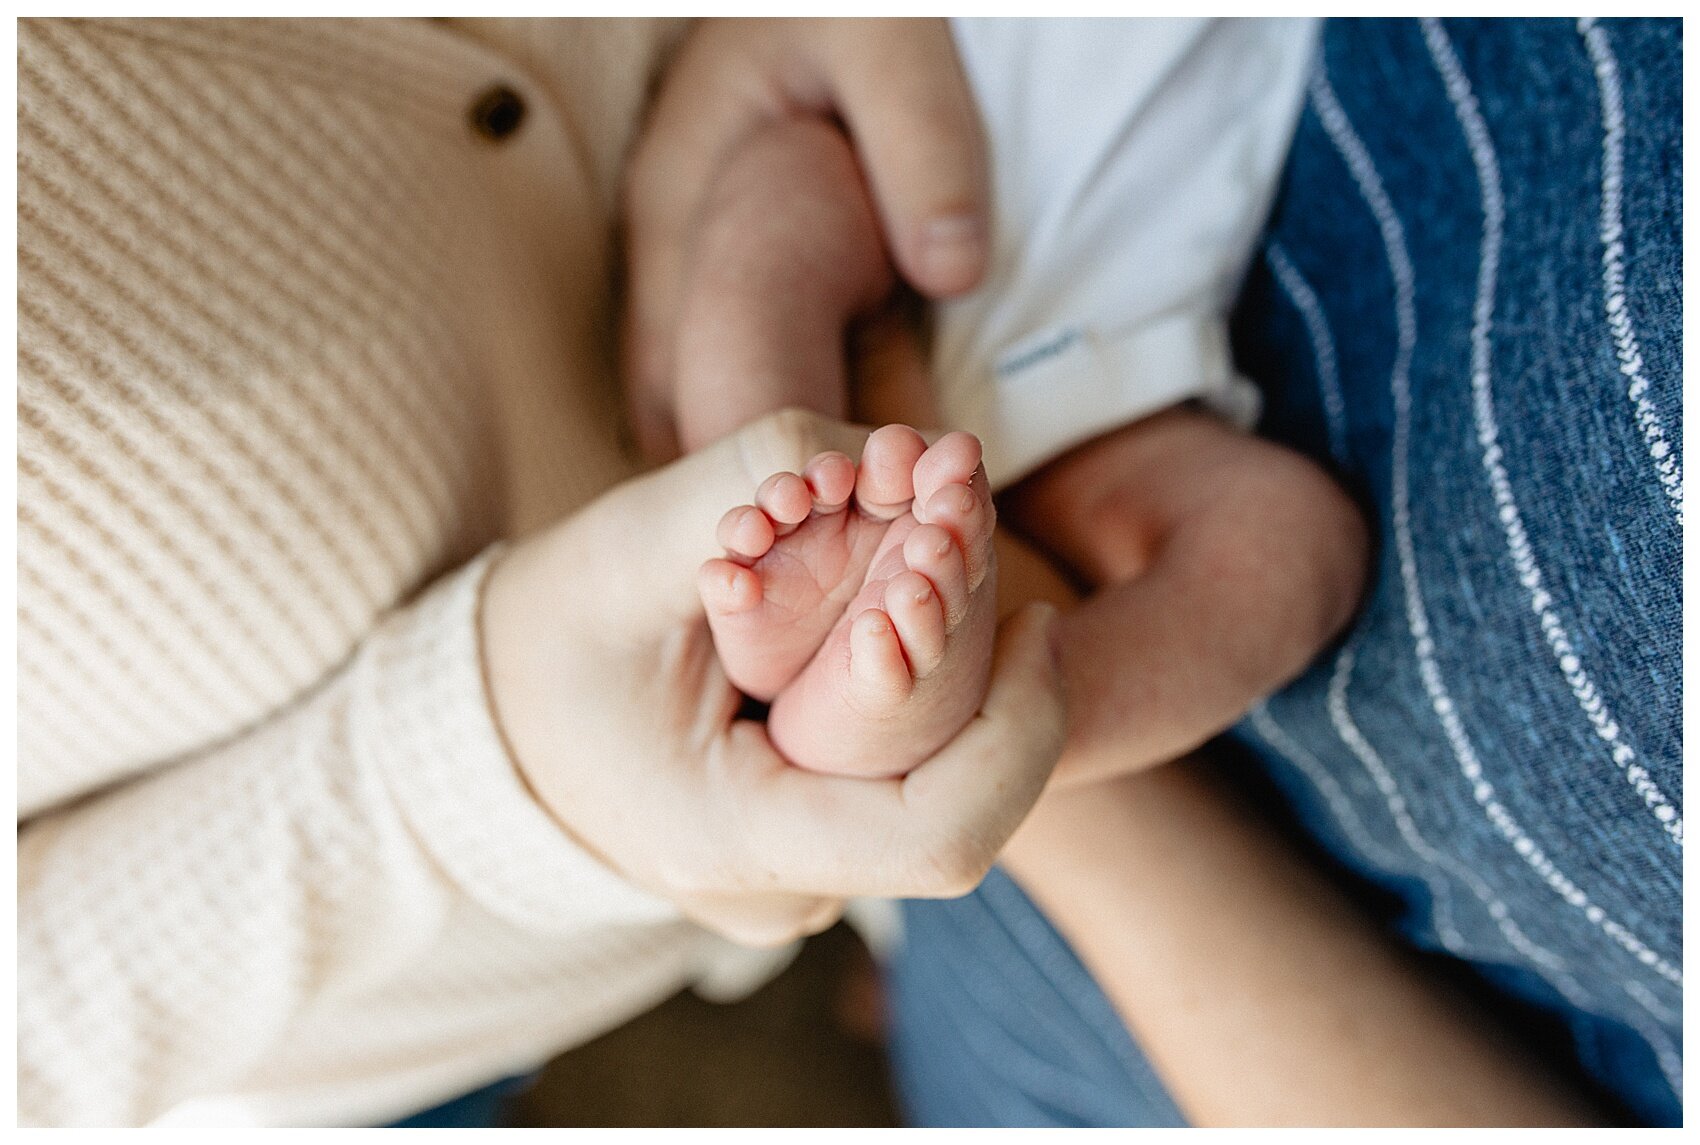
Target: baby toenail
{"x":964,"y":501}
{"x":942,"y":548}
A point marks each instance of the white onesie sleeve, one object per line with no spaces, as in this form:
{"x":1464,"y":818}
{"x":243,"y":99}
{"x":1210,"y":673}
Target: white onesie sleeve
{"x":1133,"y":163}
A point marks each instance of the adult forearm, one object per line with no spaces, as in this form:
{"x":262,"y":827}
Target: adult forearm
{"x":358,"y":887}
{"x":1260,"y":994}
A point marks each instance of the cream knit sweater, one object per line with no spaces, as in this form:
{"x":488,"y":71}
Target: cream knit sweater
{"x":296,"y":345}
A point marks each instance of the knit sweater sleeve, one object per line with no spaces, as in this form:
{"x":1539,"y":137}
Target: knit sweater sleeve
{"x":370,"y":851}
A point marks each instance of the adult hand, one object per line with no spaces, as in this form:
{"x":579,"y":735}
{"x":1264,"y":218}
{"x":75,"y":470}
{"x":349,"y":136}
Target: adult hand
{"x":898,"y":88}
{"x":606,"y":683}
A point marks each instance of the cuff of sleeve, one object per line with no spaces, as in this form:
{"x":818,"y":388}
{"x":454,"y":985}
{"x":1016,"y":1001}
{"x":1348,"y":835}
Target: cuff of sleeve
{"x":435,"y":738}
{"x":1062,"y":387}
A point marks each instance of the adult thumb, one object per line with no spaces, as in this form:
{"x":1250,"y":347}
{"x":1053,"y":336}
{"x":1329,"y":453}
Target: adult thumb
{"x":901,"y":91}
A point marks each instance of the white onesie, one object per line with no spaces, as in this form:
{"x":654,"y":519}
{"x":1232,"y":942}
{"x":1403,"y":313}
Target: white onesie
{"x":1133,"y":163}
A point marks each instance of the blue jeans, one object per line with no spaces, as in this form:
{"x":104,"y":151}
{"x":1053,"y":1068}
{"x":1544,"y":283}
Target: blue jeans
{"x":1468,"y":302}
{"x":485,"y":1107}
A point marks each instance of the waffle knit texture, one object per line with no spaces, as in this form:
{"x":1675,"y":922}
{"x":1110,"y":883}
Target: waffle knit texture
{"x":297,"y":349}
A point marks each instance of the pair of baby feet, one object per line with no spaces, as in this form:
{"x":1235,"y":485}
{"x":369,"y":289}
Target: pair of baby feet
{"x":859,"y":601}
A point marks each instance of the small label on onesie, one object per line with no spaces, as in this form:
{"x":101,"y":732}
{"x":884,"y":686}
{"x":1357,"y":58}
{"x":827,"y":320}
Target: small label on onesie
{"x":1040,"y":347}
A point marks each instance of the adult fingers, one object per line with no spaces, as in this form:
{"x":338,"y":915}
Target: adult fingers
{"x":934,"y":833}
{"x":900,"y":88}
{"x":985,"y":781}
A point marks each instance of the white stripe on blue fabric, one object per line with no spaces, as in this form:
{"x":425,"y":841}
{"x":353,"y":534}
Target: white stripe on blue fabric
{"x":1565,"y":653}
{"x":1339,"y":804}
{"x":1346,"y":727}
{"x":1304,"y":300}
{"x":1666,"y":464}
{"x":1368,"y":180}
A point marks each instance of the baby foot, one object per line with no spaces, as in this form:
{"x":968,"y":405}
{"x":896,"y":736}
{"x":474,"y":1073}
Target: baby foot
{"x":798,"y":556}
{"x":864,"y":609}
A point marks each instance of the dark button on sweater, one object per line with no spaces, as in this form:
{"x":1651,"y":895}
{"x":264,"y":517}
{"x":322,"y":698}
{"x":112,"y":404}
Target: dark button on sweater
{"x":497,"y":113}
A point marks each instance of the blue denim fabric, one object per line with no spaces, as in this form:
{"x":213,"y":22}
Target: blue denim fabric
{"x":481,"y":1109}
{"x":998,"y":1023}
{"x":1468,"y":302}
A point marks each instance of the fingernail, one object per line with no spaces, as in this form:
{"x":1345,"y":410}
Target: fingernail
{"x":953,"y":249}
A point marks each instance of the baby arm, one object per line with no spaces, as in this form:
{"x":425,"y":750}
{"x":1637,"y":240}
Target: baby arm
{"x":1219,"y":564}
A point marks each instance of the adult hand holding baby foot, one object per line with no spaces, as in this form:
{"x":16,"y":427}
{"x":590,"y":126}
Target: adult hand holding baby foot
{"x":605,"y":679}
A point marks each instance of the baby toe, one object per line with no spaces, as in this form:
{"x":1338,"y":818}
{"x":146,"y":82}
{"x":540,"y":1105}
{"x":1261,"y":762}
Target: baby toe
{"x":885,"y":480}
{"x":745,"y":532}
{"x":831,"y":478}
{"x":931,"y":551}
{"x":786,"y":499}
{"x":968,"y":516}
{"x":918,"y":616}
{"x":727,"y":588}
{"x":879,"y":675}
{"x":951,"y":460}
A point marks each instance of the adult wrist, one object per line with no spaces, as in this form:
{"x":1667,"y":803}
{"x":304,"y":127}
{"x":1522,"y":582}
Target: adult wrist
{"x":443,"y":753}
